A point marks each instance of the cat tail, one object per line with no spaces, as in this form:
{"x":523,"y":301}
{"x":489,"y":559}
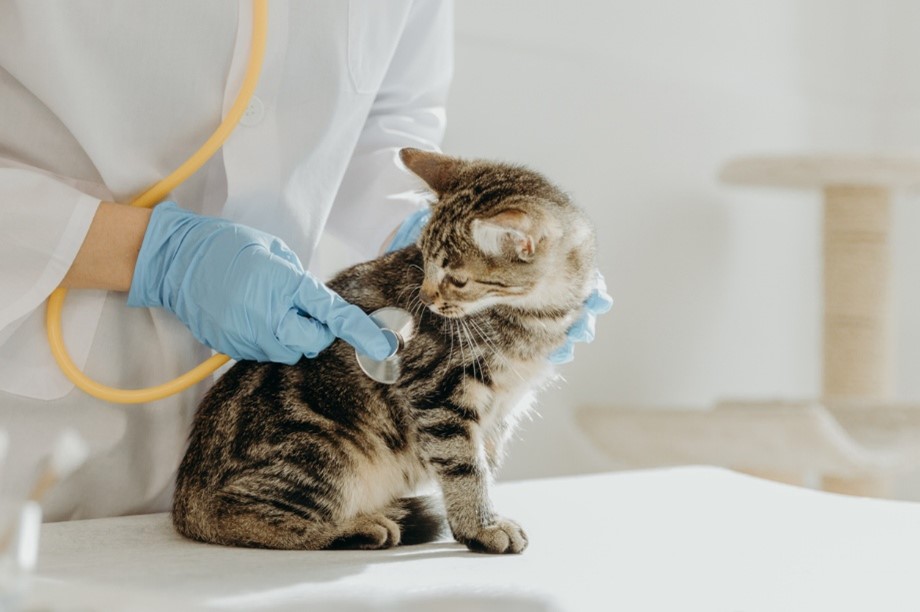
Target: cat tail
{"x":420,"y":519}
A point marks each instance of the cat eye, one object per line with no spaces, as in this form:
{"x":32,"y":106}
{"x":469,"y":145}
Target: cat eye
{"x":456,"y":282}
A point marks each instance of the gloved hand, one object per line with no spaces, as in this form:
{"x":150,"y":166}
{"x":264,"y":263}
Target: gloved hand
{"x":583,"y":329}
{"x":243,"y":292}
{"x":410,"y":230}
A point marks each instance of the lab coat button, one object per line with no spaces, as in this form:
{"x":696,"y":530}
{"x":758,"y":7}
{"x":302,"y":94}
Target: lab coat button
{"x":253,"y":113}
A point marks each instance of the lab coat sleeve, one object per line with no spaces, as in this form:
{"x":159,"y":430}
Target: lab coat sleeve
{"x":377,"y":193}
{"x":43,"y":222}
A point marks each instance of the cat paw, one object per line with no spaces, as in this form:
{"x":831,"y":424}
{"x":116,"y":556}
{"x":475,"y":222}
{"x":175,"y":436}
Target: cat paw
{"x":369,"y":532}
{"x":501,"y":537}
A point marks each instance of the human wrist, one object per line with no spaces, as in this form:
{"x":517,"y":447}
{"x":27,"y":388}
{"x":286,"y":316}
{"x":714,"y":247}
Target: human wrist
{"x":108,"y":255}
{"x":166,"y":231}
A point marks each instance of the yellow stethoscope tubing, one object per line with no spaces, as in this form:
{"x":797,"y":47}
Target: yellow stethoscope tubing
{"x":148,"y":199}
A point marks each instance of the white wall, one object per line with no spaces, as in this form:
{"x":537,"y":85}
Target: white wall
{"x":632,"y":107}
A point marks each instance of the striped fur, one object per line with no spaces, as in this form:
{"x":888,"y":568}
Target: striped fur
{"x":317,"y":455}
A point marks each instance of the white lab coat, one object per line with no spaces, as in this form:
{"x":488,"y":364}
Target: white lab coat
{"x":99,"y":105}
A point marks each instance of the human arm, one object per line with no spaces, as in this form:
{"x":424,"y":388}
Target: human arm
{"x":108,"y":254}
{"x":266,"y":306}
{"x":223,"y":316}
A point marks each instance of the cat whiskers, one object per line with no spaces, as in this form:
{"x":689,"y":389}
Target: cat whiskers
{"x":413,"y":287}
{"x":414,"y":306}
{"x":460,"y":342}
{"x":495,"y":350}
{"x":418,"y":309}
{"x":457,"y":329}
{"x":475,"y":350}
{"x":450,"y":353}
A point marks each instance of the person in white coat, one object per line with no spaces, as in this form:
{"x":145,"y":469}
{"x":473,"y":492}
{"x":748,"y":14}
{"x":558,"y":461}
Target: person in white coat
{"x":97,"y":106}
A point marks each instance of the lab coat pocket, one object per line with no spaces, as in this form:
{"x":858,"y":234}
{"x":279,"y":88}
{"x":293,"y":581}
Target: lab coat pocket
{"x":373,"y":30}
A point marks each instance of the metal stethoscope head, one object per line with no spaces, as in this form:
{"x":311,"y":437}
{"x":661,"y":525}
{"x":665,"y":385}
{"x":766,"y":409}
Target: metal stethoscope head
{"x":399,"y":327}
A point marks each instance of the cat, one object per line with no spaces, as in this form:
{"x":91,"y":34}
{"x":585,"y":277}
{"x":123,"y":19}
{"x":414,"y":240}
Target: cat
{"x":318,"y":455}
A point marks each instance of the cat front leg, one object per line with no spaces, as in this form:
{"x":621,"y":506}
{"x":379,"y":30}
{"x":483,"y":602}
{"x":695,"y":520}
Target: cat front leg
{"x":454,"y":448}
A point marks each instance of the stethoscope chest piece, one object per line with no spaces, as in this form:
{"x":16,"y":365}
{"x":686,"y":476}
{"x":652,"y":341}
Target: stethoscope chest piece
{"x":399,"y":327}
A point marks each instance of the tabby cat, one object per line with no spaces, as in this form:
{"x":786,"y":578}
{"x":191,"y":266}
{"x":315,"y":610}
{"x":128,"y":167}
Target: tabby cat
{"x":318,"y":455}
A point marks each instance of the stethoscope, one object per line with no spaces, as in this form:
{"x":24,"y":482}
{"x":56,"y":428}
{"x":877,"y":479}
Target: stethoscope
{"x":394,"y":323}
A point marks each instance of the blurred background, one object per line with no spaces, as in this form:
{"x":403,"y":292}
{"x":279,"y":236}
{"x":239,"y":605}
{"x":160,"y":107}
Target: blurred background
{"x":633,"y":107}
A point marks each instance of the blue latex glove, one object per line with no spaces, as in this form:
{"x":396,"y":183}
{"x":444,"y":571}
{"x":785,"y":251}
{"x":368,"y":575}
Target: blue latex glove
{"x":410,"y":229}
{"x":243,"y":292}
{"x":583,"y":329}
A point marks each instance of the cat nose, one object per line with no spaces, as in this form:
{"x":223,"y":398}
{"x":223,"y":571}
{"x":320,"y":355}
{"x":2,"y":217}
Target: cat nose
{"x":425,"y":297}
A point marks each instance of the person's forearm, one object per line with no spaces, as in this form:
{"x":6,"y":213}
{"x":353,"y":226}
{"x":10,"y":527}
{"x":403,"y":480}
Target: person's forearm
{"x":109,"y":252}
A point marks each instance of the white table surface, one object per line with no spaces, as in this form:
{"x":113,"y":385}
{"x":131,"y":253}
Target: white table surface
{"x":693,"y":538}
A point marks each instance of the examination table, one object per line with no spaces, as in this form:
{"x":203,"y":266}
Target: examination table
{"x":694,"y":538}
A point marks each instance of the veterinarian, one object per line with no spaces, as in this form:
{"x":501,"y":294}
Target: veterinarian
{"x":97,"y":103}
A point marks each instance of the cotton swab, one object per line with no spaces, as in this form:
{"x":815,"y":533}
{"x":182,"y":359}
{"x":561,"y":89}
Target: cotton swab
{"x":69,"y":452}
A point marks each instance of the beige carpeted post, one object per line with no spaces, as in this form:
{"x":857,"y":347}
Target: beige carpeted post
{"x":857,"y":360}
{"x":857,"y":352}
{"x":857,"y":335}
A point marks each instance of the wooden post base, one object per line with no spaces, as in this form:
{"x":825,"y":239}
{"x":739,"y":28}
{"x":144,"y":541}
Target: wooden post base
{"x":867,"y":486}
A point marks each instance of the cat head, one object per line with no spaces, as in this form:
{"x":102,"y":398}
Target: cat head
{"x":499,"y":235}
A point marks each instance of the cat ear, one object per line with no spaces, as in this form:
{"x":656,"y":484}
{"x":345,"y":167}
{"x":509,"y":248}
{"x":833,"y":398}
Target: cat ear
{"x":505,"y":233}
{"x":436,"y":169}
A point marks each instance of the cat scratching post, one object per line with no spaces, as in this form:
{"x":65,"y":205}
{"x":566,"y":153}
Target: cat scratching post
{"x":857,"y":334}
{"x":856,"y":228}
{"x":857,"y":338}
{"x":851,"y":438}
